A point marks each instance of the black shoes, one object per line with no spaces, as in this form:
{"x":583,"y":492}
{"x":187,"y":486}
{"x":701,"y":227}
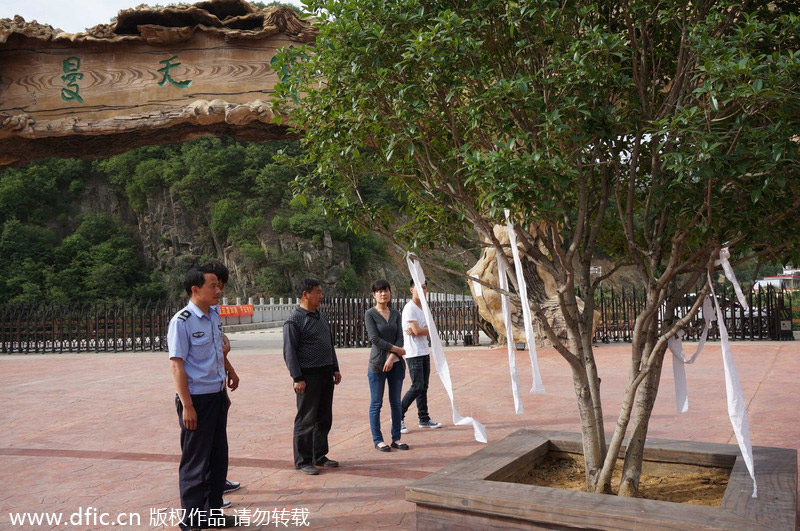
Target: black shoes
{"x":231,"y":486}
{"x":330,"y":463}
{"x":399,"y":446}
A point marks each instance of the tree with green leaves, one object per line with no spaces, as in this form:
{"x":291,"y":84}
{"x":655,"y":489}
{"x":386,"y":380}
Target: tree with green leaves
{"x":655,"y":133}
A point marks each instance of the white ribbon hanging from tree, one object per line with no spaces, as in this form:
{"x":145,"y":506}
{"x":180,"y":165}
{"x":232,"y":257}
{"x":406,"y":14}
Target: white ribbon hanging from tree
{"x":737,"y":407}
{"x":679,"y":359}
{"x":502,"y":281}
{"x":537,"y":386}
{"x":437,"y":352}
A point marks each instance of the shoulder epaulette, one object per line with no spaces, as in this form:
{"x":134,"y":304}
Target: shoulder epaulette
{"x":185,"y":314}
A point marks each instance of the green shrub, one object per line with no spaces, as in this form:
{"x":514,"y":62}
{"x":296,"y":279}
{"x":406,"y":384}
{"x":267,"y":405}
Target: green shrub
{"x":349,"y":282}
{"x":224,"y":216}
{"x":280,"y":224}
{"x":365,"y":249}
{"x":271,"y":281}
{"x":253,"y":254}
{"x":307,"y":223}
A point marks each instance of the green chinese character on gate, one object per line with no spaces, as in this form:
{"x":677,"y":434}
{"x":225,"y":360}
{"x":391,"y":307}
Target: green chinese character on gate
{"x":69,"y":94}
{"x":70,"y":78}
{"x":168,"y":65}
{"x":70,"y":66}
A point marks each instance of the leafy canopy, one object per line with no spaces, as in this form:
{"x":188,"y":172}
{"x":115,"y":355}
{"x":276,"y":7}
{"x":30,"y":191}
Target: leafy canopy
{"x":651,"y":132}
{"x":467,"y":108}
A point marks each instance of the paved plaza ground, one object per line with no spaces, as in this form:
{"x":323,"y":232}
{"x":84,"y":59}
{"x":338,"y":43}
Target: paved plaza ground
{"x":100,"y":430}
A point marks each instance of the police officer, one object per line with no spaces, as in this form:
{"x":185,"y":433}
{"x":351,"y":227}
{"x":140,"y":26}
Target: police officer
{"x":198,"y":370}
{"x":233,"y":379}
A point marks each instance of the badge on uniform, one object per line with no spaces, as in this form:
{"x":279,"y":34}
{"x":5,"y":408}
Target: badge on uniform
{"x":198,"y":334}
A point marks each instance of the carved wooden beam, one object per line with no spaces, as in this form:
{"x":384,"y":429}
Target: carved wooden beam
{"x":155,"y":76}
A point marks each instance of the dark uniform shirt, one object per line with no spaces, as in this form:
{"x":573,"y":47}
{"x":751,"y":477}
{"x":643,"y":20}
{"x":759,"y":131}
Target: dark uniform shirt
{"x":308,"y":344}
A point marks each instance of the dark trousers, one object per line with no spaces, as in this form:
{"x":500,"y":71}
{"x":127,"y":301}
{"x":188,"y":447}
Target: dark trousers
{"x":314,"y":419}
{"x":204,"y":458}
{"x":419,"y":368}
{"x":377,"y":384}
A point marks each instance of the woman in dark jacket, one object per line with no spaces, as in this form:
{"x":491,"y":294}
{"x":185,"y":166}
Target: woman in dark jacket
{"x":385,"y":332}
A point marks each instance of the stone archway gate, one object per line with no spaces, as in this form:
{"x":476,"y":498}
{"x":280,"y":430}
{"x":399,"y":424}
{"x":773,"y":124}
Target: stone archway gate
{"x":154,"y":76}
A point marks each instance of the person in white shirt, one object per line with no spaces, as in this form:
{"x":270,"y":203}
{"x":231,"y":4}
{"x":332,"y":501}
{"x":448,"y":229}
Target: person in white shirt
{"x":415,"y":337}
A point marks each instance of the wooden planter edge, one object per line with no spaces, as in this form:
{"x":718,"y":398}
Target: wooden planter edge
{"x":473,"y":488}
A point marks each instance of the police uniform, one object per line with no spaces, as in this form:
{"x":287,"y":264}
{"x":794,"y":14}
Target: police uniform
{"x":196,"y":338}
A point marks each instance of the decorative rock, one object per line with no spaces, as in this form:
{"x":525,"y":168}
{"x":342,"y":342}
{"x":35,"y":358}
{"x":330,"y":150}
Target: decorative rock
{"x":541,"y":288}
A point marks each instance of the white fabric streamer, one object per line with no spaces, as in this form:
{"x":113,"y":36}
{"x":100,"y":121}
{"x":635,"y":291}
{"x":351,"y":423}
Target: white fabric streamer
{"x":679,"y":359}
{"x":724,"y":254}
{"x":737,"y":408}
{"x":502,"y":281}
{"x":477,"y":288}
{"x":537,"y":386}
{"x":437,"y":352}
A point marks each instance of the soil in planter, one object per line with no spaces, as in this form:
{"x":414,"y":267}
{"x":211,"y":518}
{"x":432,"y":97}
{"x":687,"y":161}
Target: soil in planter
{"x":672,"y":482}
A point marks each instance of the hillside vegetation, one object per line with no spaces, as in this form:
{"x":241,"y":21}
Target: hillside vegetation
{"x":128,"y":226}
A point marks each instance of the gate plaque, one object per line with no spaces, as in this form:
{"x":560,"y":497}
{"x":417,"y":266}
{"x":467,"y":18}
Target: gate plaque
{"x":154,"y":76}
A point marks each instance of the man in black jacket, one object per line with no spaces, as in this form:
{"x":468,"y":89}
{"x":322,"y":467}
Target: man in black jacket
{"x":311,"y":359}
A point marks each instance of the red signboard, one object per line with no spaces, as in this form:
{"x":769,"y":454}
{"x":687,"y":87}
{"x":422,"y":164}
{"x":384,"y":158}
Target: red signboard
{"x":238,"y":309}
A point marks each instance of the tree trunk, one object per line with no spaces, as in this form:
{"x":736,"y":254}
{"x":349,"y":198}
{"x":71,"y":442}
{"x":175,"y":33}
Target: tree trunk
{"x":592,"y":431}
{"x":594,"y":388}
{"x":643,"y":408}
{"x":593,"y":449}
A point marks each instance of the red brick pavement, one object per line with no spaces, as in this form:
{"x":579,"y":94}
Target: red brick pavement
{"x":100,"y":430}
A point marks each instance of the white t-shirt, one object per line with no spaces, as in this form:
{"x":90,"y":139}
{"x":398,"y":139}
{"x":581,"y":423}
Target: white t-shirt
{"x":414,"y":345}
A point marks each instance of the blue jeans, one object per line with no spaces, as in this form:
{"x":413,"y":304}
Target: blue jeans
{"x":377,"y":383}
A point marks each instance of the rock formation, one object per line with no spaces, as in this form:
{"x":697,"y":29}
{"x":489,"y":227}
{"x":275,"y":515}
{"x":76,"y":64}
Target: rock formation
{"x":541,"y":288}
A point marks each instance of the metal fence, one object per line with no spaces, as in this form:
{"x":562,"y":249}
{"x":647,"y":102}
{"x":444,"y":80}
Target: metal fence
{"x":101,"y":327}
{"x":769,"y":316}
{"x":120,"y":327}
{"x":115,"y":327}
{"x":456,"y":318}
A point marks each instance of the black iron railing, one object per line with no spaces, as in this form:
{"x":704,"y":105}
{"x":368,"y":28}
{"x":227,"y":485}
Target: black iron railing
{"x":456,"y":318}
{"x":769,"y":316}
{"x":99,"y":327}
{"x":114,"y":327}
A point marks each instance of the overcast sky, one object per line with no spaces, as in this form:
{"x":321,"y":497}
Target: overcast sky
{"x":75,"y":16}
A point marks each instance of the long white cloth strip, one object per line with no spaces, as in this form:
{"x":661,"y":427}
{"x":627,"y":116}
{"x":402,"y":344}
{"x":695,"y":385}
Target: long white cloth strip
{"x":724,"y":254}
{"x":537,"y":386}
{"x":737,"y":408}
{"x":679,"y":359}
{"x":440,"y":362}
{"x":502,"y":281}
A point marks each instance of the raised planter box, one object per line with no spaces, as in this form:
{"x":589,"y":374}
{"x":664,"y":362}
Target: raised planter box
{"x":473,"y":493}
